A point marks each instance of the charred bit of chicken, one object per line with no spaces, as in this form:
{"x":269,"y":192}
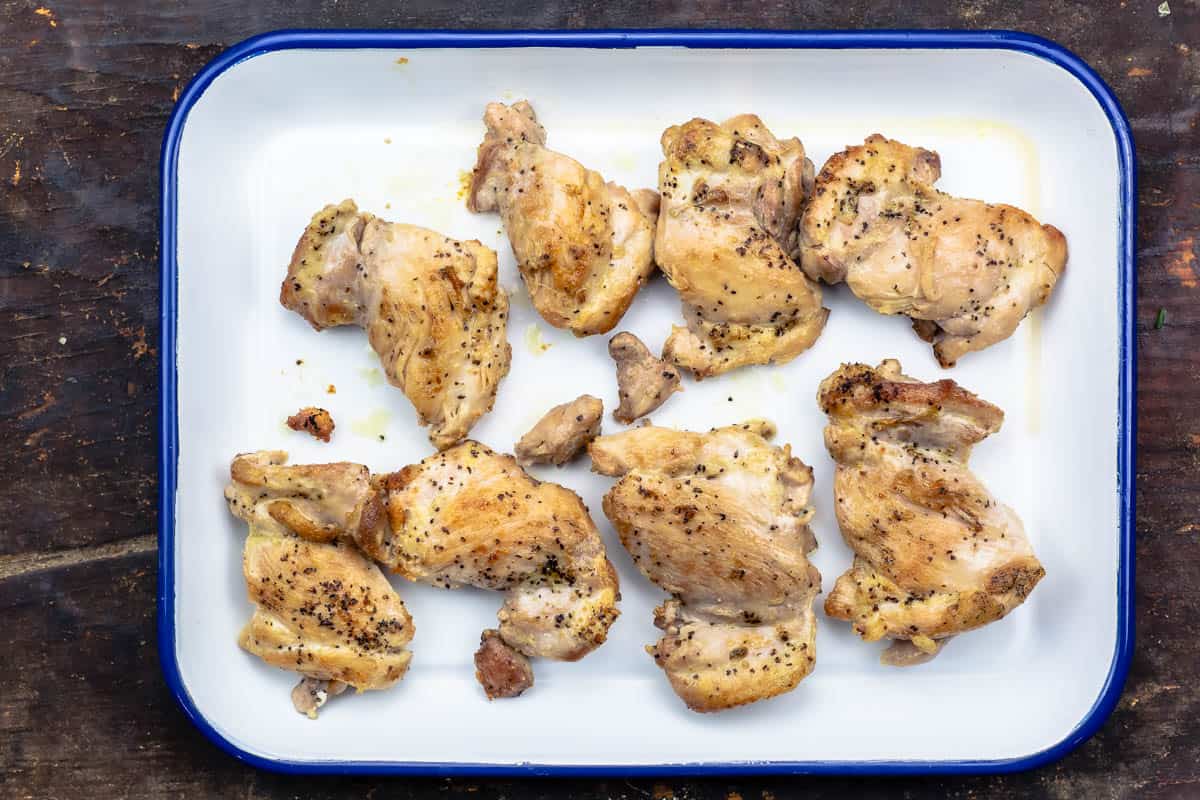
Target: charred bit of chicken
{"x":316,"y":422}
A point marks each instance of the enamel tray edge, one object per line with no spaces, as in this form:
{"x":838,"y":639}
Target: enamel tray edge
{"x":886,"y":39}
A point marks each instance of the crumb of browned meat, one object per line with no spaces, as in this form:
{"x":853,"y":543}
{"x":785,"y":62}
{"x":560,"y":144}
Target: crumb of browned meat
{"x":315,"y":421}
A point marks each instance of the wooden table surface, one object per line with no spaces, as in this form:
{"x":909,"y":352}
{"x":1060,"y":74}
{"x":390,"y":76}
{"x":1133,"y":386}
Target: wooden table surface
{"x":85,"y":91}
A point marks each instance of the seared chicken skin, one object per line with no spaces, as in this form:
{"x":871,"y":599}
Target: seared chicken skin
{"x":470,"y":517}
{"x":321,"y":609}
{"x":726,"y":239}
{"x":719,"y":520}
{"x":464,"y":517}
{"x":584,"y":247}
{"x":430,"y":305}
{"x":966,"y":272}
{"x":935,"y":553}
{"x":562,"y":433}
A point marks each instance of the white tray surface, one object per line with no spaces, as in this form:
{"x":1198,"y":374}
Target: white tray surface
{"x":277,"y":136}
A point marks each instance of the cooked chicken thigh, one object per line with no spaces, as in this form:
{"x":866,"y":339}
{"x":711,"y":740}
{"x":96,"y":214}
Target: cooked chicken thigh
{"x":321,"y":609}
{"x":719,"y":520}
{"x":584,"y":247}
{"x":470,"y":517}
{"x":465,"y":516}
{"x":331,"y":616}
{"x":562,"y":433}
{"x":731,"y":200}
{"x":966,"y":272}
{"x":643,"y":382}
{"x":935,"y":553}
{"x":430,"y":305}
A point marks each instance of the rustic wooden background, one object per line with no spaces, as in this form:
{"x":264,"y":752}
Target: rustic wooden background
{"x":85,"y":91}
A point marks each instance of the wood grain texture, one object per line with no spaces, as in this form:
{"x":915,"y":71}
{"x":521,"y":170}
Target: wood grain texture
{"x":85,"y":91}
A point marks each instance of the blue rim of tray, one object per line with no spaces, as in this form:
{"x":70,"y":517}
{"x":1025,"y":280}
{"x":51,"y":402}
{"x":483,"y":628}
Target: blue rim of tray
{"x":891,"y":39}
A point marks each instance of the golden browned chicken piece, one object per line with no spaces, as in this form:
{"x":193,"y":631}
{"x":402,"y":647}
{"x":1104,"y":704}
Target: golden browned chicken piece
{"x":562,"y":433}
{"x":731,"y":200}
{"x":470,"y":517}
{"x":719,"y":520}
{"x":966,"y":272}
{"x":316,"y":422}
{"x":321,"y":609}
{"x":584,"y":247}
{"x":643,"y":382}
{"x":430,"y":305}
{"x":935,"y":553}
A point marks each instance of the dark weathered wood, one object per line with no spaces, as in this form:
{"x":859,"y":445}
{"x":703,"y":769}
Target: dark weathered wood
{"x":85,"y":90}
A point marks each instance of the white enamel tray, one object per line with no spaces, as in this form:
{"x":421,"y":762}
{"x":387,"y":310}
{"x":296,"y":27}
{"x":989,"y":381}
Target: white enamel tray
{"x":285,"y":123}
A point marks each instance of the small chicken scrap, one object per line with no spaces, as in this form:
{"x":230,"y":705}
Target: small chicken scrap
{"x":430,"y":305}
{"x":965,"y":272}
{"x":501,"y":670}
{"x":310,"y":694}
{"x":935,"y":554}
{"x":316,"y":422}
{"x":468,"y":516}
{"x":731,"y":199}
{"x":719,"y":520}
{"x":583,"y":246}
{"x":643,"y":382}
{"x":321,"y":609}
{"x":562,"y":433}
